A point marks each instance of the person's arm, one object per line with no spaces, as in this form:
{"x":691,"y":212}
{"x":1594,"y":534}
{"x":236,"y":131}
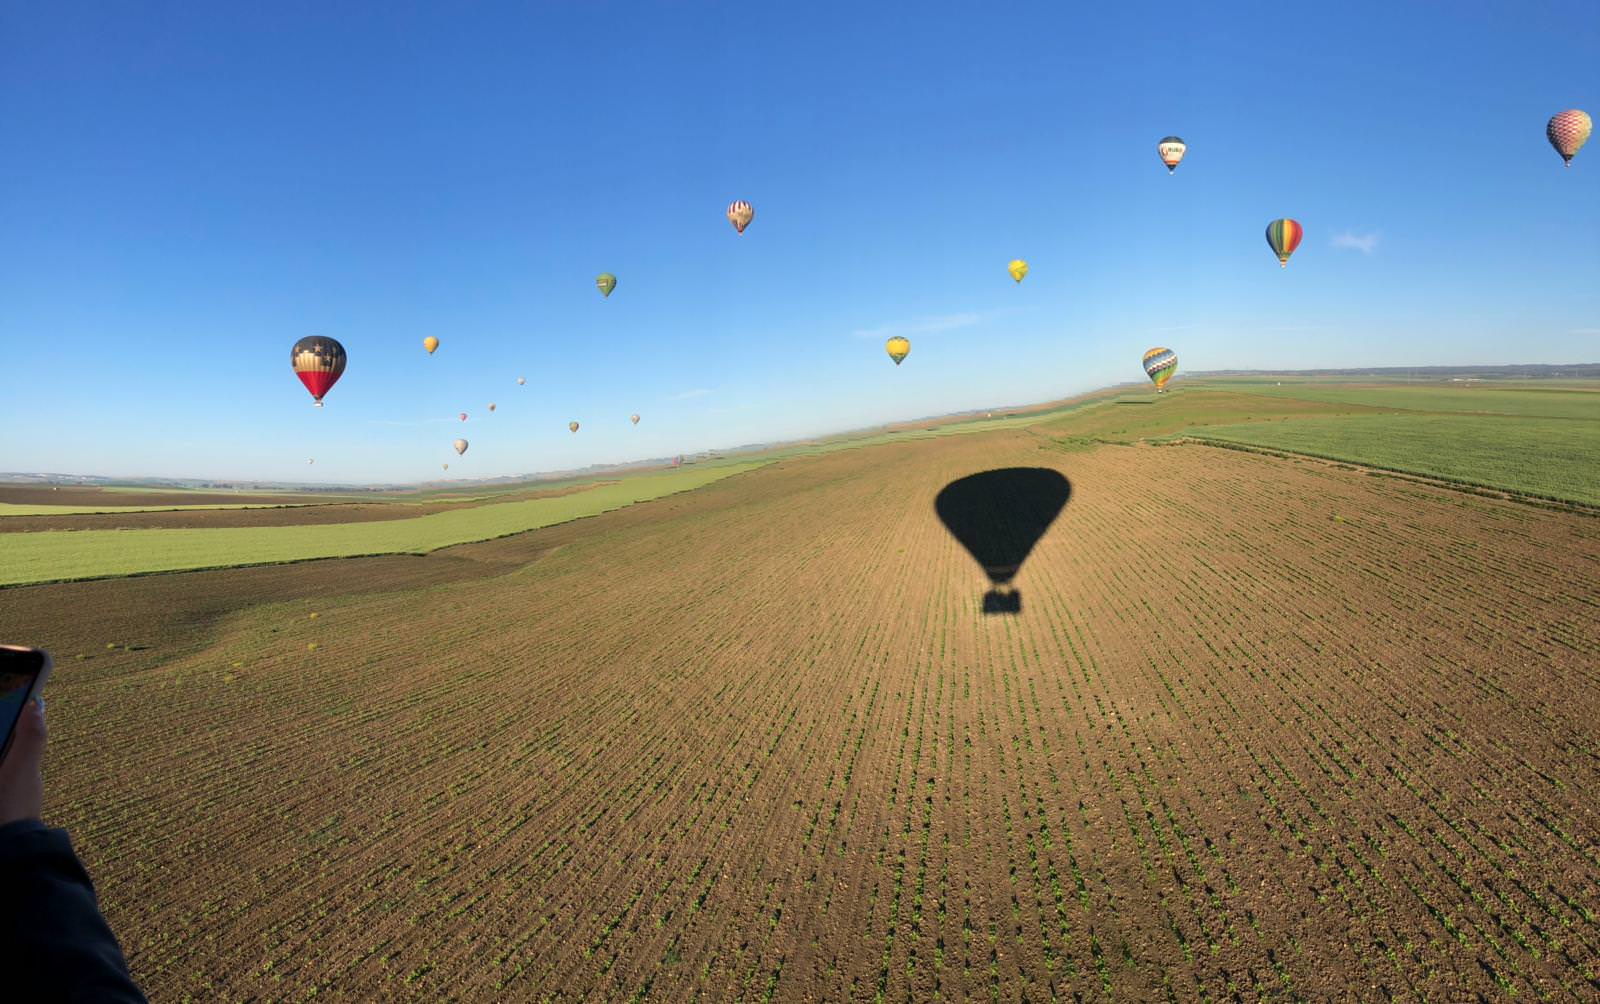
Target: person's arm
{"x":54,"y":943}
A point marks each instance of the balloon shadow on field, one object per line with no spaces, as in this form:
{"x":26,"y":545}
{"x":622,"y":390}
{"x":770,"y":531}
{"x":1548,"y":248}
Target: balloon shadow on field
{"x":998,"y":516}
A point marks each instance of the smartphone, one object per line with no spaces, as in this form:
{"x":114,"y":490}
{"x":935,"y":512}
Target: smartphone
{"x":22,"y":675}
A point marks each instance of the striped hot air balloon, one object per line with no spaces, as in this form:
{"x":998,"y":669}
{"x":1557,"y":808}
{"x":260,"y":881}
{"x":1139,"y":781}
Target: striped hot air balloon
{"x":318,"y":362}
{"x":1283,"y":236}
{"x":1171,"y":150}
{"x":740,"y":213}
{"x":1159,"y":365}
{"x":1568,"y":132}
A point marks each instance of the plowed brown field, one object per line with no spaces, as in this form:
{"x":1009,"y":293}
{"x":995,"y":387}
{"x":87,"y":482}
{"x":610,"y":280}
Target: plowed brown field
{"x":1263,"y":728}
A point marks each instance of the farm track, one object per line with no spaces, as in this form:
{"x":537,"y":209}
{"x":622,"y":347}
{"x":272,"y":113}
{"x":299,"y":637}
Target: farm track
{"x":1263,"y":729}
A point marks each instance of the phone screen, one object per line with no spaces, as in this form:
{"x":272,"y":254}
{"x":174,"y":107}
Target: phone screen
{"x":18,"y":671}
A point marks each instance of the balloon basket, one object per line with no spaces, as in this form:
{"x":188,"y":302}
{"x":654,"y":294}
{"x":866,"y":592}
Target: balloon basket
{"x":997,"y":601}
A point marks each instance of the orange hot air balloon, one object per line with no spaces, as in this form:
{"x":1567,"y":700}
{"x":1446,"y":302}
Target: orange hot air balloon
{"x":1568,"y":131}
{"x":430,"y":343}
{"x":318,"y":362}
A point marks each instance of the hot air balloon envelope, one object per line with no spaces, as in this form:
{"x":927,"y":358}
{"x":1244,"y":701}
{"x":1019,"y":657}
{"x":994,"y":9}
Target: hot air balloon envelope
{"x":634,"y":419}
{"x":463,"y":416}
{"x":740,"y":213}
{"x":521,"y":381}
{"x":1171,"y":150}
{"x":491,"y":406}
{"x":572,"y":426}
{"x":607,"y":282}
{"x":460,"y":445}
{"x":1283,"y":236}
{"x":898,"y":349}
{"x":1568,"y":131}
{"x":318,"y":362}
{"x":430,"y":343}
{"x":998,"y":516}
{"x":1018,"y":269}
{"x":1159,"y":365}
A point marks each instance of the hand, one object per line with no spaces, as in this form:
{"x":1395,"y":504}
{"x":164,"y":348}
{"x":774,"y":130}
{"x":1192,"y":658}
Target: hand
{"x":21,"y":783}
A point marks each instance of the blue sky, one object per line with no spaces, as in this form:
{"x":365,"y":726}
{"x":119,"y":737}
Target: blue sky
{"x":189,"y":188}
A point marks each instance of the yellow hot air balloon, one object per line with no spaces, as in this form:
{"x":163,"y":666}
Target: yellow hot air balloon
{"x":572,"y":426}
{"x":430,"y":343}
{"x":898,"y":348}
{"x":1018,"y":269}
{"x":634,"y":419}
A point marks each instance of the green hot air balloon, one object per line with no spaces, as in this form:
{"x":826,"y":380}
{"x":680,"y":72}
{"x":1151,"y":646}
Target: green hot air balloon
{"x":607,"y":282}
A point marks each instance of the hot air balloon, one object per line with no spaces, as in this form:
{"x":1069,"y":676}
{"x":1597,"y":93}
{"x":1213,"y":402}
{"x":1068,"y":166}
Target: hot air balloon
{"x":572,"y":426}
{"x":1018,"y":269}
{"x":1283,"y":236}
{"x":318,"y":362}
{"x":430,"y":343}
{"x":521,"y":381}
{"x":898,"y":349}
{"x":1159,"y":365}
{"x":460,"y":445}
{"x":311,"y":460}
{"x":463,"y":416}
{"x":1171,"y":150}
{"x":634,"y":419}
{"x":607,"y":282}
{"x":740,"y":213}
{"x":1568,"y":132}
{"x":447,"y":467}
{"x":491,"y":406}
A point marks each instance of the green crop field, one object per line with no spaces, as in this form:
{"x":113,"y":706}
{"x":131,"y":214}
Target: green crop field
{"x":1553,"y":458}
{"x":1578,"y":401}
{"x":55,"y":556}
{"x":17,"y":509}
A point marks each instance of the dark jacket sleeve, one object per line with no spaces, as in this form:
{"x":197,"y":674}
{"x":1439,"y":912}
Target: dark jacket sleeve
{"x":53,"y":940}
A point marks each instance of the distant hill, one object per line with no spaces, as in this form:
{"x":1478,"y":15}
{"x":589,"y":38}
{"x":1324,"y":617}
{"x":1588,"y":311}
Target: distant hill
{"x":1520,"y":371}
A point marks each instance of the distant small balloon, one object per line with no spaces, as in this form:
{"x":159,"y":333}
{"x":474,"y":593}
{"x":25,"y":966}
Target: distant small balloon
{"x":1171,"y":150}
{"x":447,"y":467}
{"x":740,"y":213}
{"x":430,"y":343}
{"x":898,"y":349}
{"x":491,"y":406}
{"x":1283,"y":236}
{"x":572,"y":426}
{"x":311,"y":460}
{"x":607,"y":282}
{"x":1160,"y":363}
{"x":634,"y":419}
{"x":463,"y":416}
{"x":1568,"y":131}
{"x":460,"y":445}
{"x":318,"y":362}
{"x":521,"y":381}
{"x":1018,"y":269}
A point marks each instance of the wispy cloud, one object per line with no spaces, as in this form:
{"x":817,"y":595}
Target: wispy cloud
{"x":690,"y":394}
{"x":922,"y":326}
{"x":1586,"y":331}
{"x":1352,"y":241}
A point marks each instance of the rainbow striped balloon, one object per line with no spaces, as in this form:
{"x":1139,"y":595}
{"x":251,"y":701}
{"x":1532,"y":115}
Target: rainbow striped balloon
{"x":1283,"y":236}
{"x":1159,"y":365}
{"x":1568,"y":132}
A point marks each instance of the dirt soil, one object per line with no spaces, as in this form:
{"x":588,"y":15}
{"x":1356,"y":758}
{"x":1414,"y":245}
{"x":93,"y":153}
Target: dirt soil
{"x":1261,"y":728}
